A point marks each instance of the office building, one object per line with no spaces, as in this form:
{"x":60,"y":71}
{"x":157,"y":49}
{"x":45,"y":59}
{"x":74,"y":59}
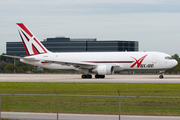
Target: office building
{"x":61,"y":44}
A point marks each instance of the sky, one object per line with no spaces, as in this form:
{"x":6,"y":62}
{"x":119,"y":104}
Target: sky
{"x":154,"y":23}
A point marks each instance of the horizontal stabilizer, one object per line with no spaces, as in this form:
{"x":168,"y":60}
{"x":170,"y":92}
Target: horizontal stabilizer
{"x":24,"y":58}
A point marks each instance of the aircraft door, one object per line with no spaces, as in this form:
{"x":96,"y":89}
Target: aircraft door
{"x":154,"y":59}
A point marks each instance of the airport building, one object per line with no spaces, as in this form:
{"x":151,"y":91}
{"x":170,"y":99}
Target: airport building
{"x":61,"y":44}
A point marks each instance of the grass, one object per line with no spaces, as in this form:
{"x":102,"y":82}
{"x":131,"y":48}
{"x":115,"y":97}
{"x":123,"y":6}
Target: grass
{"x":92,"y":105}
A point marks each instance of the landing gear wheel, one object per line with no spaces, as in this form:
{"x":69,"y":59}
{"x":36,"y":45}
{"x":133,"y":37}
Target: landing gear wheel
{"x":96,"y":76}
{"x":83,"y":76}
{"x":102,"y":76}
{"x":161,"y":76}
{"x":86,"y":76}
{"x":99,"y":76}
{"x":89,"y":76}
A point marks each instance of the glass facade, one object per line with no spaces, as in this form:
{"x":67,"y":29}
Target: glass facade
{"x":75,"y":45}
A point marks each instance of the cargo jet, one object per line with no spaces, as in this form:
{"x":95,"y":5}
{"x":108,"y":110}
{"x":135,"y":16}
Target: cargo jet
{"x":100,"y":63}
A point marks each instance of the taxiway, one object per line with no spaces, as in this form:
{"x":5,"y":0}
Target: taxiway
{"x":53,"y":116}
{"x":77,"y":78}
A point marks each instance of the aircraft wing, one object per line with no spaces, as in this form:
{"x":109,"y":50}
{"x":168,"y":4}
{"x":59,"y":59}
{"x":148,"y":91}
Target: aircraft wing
{"x":80,"y":65}
{"x":27,"y":59}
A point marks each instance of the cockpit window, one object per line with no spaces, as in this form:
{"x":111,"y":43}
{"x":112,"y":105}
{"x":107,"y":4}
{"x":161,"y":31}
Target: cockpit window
{"x":169,"y":58}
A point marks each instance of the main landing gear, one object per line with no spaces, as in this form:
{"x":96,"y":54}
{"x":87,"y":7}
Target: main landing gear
{"x":99,"y":76}
{"x":89,"y":76}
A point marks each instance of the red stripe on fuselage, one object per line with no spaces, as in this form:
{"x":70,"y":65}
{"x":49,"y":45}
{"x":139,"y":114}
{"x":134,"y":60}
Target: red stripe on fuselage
{"x":109,"y":61}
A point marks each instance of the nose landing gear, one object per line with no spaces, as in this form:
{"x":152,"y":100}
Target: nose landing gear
{"x":161,"y":76}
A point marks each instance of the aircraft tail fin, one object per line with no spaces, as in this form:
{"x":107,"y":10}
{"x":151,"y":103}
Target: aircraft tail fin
{"x":31,"y":44}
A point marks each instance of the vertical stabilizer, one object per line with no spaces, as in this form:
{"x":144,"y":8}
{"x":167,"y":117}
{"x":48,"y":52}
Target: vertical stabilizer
{"x":31,"y":44}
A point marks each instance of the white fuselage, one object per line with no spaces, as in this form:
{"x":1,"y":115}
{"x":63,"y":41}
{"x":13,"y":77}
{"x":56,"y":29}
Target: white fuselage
{"x":133,"y":61}
{"x":100,"y":63}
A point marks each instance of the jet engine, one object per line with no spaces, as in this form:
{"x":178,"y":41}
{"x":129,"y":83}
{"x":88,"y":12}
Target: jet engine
{"x":104,"y":70}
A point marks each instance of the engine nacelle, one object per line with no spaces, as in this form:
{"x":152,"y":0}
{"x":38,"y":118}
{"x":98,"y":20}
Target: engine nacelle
{"x":104,"y":70}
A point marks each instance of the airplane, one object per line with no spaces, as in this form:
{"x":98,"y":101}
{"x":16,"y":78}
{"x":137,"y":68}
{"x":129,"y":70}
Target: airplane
{"x":100,"y":63}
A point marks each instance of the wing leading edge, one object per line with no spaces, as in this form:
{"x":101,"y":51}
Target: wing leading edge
{"x":79,"y":65}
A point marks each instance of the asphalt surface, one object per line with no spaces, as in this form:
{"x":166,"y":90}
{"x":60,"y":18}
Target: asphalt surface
{"x":77,"y":78}
{"x":53,"y":116}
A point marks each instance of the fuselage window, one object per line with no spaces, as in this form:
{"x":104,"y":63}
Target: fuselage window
{"x":169,"y":58}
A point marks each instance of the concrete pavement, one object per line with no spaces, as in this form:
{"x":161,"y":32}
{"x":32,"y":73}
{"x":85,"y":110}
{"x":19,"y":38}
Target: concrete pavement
{"x":77,"y":78}
{"x":53,"y":116}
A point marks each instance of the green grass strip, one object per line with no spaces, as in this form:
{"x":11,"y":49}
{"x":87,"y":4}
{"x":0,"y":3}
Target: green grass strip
{"x":92,"y":105}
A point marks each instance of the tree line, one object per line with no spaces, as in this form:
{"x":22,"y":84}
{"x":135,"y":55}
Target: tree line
{"x":10,"y":65}
{"x":176,"y":69}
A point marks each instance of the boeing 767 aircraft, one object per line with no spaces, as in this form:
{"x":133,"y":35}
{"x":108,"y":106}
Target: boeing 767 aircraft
{"x":100,"y":63}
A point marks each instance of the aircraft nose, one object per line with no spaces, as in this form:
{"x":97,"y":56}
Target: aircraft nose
{"x":174,"y":63}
